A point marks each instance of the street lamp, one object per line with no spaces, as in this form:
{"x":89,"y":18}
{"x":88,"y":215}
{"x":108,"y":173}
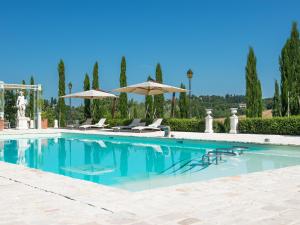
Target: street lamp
{"x":190,"y":76}
{"x":70,"y":103}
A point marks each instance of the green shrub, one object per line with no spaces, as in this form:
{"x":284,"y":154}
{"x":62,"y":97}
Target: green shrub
{"x":118,"y":122}
{"x":187,"y":125}
{"x":276,"y":125}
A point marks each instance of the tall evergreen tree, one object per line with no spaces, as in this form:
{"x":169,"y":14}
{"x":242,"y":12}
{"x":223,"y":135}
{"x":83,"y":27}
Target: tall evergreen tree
{"x":123,"y":96}
{"x":31,"y":99}
{"x":259,"y":99}
{"x":159,"y":99}
{"x":25,"y":93}
{"x":183,"y":103}
{"x":87,"y":102}
{"x":61,"y":91}
{"x":290,"y":73}
{"x":96,"y":112}
{"x":276,"y":109}
{"x":253,"y":87}
{"x":149,"y":104}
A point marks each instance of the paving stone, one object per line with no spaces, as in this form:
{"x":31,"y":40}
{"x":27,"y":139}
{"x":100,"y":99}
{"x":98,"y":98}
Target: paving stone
{"x":188,"y":221}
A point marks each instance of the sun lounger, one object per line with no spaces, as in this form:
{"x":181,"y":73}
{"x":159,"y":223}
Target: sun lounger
{"x":134,"y":123}
{"x":100,"y":124}
{"x":154,"y":126}
{"x":74,"y":125}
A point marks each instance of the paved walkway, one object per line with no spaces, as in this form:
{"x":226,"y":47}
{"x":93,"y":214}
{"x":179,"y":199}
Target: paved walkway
{"x":30,"y":196}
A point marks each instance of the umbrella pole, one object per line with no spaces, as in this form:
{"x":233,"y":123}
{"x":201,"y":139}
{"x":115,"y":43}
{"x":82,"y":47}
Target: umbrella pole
{"x":113,"y":110}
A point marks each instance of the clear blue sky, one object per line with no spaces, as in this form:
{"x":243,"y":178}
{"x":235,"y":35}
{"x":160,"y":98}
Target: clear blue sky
{"x":210,"y":37}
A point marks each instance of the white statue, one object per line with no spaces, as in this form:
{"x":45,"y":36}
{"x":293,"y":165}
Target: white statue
{"x":22,"y":120}
{"x":21,"y":105}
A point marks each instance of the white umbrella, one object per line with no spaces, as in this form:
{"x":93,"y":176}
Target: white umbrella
{"x":91,"y":94}
{"x":150,"y":88}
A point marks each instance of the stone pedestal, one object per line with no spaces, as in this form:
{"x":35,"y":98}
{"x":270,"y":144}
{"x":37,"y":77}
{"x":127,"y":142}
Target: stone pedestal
{"x":31,"y":124}
{"x":22,"y":123}
{"x":233,"y":121}
{"x":56,"y":124}
{"x":209,"y":122}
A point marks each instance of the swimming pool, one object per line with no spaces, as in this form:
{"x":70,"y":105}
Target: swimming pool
{"x":135,"y":164}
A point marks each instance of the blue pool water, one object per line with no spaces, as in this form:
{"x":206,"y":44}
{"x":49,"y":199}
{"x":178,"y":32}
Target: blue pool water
{"x":142,"y":163}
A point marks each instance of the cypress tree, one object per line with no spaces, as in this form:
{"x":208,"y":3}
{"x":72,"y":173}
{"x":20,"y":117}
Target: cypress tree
{"x":183,"y":106}
{"x":24,"y":91}
{"x":96,"y":114}
{"x":290,"y":73}
{"x":123,"y":106}
{"x":87,"y":102}
{"x":31,"y":100}
{"x":149,"y":104}
{"x":61,"y":92}
{"x":159,"y":99}
{"x":276,"y":110}
{"x":259,"y":99}
{"x":253,"y":88}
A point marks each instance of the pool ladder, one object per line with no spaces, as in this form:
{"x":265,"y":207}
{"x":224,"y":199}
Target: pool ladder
{"x":211,"y":157}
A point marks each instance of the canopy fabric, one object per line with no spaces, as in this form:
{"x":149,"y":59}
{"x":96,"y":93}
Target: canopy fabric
{"x":150,"y":88}
{"x":91,"y":94}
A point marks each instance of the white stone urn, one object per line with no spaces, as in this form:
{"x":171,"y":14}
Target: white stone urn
{"x":233,"y":121}
{"x":209,"y":122}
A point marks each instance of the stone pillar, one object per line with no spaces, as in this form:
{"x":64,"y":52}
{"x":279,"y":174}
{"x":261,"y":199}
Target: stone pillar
{"x":2,"y":100}
{"x":209,"y":122}
{"x":39,"y":107}
{"x":233,"y":121}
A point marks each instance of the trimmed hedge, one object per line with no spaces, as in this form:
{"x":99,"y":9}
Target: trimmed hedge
{"x":276,"y":125}
{"x":187,"y":125}
{"x":118,"y":122}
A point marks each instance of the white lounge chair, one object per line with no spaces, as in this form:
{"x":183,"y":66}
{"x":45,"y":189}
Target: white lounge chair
{"x":134,"y":123}
{"x":154,"y":126}
{"x":100,"y":124}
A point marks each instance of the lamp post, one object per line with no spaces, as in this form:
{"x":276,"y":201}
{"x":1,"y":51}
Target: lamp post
{"x":190,"y":76}
{"x":70,"y":103}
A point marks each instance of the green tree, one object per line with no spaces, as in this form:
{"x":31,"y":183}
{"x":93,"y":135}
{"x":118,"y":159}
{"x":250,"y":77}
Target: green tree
{"x":61,"y":91}
{"x":253,"y":88}
{"x":159,"y":99}
{"x":87,"y":102}
{"x":24,"y":91}
{"x":183,"y":103}
{"x":96,"y":112}
{"x":259,"y":99}
{"x":289,"y":62}
{"x":276,"y":109}
{"x":31,"y":100}
{"x":123,"y":96}
{"x":10,"y":111}
{"x":149,"y":104}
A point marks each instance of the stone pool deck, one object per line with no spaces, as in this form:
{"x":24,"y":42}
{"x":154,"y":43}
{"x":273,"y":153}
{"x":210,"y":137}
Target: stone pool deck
{"x":246,"y":138}
{"x":30,"y":196}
